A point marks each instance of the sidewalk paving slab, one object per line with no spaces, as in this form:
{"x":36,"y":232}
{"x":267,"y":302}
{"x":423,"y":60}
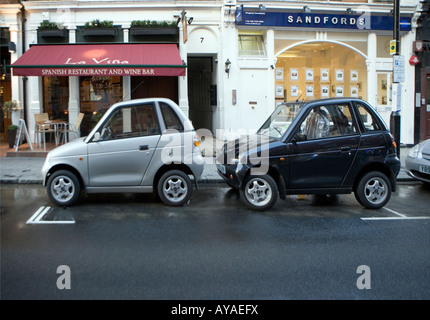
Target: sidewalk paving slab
{"x":27,"y":170}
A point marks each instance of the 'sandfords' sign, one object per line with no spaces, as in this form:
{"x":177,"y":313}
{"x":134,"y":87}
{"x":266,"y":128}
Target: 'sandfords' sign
{"x":364,"y":21}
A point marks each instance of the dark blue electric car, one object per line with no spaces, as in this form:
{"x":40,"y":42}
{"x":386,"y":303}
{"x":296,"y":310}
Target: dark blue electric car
{"x":328,"y":146}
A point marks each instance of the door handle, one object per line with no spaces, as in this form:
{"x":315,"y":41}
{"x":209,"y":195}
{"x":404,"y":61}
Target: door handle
{"x":345,"y":148}
{"x":143,"y":147}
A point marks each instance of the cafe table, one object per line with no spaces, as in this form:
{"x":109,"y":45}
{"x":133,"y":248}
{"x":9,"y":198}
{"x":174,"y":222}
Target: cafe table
{"x":51,"y":126}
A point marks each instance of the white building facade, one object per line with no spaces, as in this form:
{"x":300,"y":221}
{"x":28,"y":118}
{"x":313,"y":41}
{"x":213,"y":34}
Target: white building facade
{"x":242,"y":58}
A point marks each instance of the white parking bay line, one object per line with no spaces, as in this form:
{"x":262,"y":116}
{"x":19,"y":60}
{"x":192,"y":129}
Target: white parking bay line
{"x":36,"y":218}
{"x":395,"y":212}
{"x":399,"y":216}
{"x":394,"y":218}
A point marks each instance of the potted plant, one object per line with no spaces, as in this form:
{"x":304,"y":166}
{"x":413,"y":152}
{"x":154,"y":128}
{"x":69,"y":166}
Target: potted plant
{"x":12,"y":110}
{"x":51,"y":29}
{"x":148,"y":27}
{"x":99,"y":28}
{"x":11,"y":134}
{"x":9,"y":107}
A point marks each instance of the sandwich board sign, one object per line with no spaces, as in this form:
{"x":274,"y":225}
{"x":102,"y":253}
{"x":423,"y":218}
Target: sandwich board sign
{"x":22,"y":131}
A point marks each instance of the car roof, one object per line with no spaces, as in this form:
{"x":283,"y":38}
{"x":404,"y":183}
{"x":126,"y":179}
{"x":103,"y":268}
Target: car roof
{"x":327,"y":100}
{"x":143,"y":100}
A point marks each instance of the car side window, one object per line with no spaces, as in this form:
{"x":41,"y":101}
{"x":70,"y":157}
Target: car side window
{"x":328,"y":121}
{"x":368,"y":121}
{"x":171,"y":119}
{"x":131,"y":121}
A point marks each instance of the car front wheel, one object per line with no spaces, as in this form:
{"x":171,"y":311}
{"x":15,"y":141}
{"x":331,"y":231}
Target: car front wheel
{"x":63,"y":188}
{"x":175,"y":188}
{"x":259,"y":192}
{"x":373,"y":190}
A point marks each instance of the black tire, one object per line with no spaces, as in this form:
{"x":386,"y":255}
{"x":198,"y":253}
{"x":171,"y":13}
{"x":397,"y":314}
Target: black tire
{"x":63,"y":188}
{"x":175,"y":188}
{"x":373,"y":190}
{"x":259,"y":192}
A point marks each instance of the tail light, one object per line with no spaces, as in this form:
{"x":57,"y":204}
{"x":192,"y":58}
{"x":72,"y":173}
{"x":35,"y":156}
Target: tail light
{"x":393,"y":141}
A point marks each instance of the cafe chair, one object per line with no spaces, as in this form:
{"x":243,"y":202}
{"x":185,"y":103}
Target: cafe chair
{"x":42,"y":127}
{"x":69,"y":128}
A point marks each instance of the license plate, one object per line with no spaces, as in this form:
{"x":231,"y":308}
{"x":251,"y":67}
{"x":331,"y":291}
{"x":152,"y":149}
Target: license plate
{"x":221,"y":168}
{"x":424,"y":169}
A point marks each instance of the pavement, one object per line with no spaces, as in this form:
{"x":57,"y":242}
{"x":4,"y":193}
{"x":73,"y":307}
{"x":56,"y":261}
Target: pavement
{"x":27,"y":170}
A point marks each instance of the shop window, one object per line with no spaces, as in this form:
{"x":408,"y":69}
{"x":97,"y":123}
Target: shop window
{"x":251,"y":45}
{"x":56,"y":97}
{"x":319,"y":70}
{"x":384,"y":86}
{"x":5,"y":82}
{"x":97,"y":94}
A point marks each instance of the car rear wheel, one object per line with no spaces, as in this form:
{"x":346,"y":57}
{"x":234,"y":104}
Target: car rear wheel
{"x":63,"y":188}
{"x":175,"y":188}
{"x":373,"y":190}
{"x":259,"y":192}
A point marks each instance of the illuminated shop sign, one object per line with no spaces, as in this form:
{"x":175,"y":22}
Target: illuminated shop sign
{"x":365,"y":21}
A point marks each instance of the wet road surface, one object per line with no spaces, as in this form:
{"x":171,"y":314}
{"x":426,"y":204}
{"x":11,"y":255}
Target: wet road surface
{"x":133,"y":247}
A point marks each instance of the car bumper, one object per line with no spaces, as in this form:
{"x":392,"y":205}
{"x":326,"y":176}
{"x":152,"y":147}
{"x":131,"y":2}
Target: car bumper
{"x":228,"y":173}
{"x":45,"y":169}
{"x":418,"y":169}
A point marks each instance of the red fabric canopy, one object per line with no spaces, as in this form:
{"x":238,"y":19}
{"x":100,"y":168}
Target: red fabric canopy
{"x":123,"y":59}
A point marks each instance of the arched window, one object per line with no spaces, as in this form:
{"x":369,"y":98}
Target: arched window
{"x":315,"y":70}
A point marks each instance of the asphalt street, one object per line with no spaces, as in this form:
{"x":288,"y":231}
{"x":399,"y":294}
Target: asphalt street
{"x":133,"y":247}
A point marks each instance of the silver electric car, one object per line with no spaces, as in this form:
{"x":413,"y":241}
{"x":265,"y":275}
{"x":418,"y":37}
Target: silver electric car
{"x":417,"y":163}
{"x":138,"y":146}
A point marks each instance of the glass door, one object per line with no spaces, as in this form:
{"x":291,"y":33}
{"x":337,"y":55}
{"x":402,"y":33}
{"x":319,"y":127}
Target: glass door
{"x":384,"y":87}
{"x":425,"y":110}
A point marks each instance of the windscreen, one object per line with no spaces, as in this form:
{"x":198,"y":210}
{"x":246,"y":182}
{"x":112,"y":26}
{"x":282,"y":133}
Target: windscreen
{"x":280,"y":120}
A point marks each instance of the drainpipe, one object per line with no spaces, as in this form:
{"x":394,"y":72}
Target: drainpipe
{"x":24,"y":79}
{"x":395,"y":118}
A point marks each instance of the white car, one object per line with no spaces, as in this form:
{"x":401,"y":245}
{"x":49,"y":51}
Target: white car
{"x":138,"y":146}
{"x":417,"y":163}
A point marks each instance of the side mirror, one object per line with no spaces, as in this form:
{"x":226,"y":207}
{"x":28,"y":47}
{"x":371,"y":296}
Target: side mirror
{"x":96,"y":137}
{"x":299,"y":137}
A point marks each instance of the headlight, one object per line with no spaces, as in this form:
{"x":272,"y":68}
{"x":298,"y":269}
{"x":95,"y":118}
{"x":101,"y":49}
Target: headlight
{"x":239,"y":159}
{"x":413,"y":153}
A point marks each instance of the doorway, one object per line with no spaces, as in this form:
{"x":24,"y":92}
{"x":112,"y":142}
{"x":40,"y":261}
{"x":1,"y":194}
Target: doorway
{"x":151,"y":87}
{"x":200,"y":71}
{"x":425,"y":108}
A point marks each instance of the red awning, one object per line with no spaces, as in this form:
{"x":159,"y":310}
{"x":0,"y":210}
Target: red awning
{"x":123,"y":59}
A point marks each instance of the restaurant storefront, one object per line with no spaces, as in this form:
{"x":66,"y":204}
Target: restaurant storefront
{"x":99,"y":70}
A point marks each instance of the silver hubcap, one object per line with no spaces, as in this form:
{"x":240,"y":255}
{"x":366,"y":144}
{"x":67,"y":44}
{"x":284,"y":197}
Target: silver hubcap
{"x":258,"y":192}
{"x":375,"y":190}
{"x":62,"y":188}
{"x":175,"y":188}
